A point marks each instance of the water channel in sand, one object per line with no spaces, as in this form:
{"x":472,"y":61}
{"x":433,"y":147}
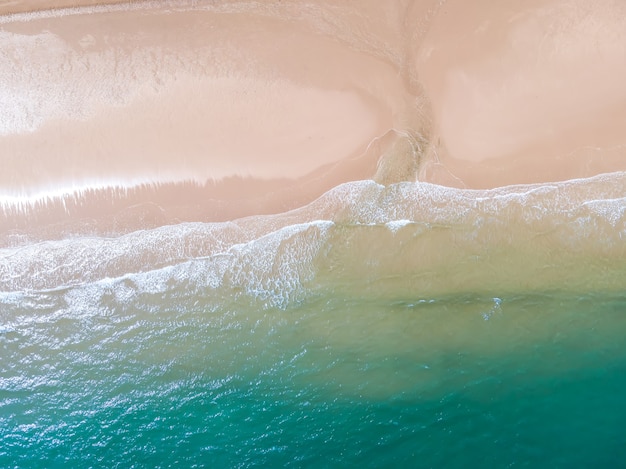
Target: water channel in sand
{"x":138,"y":114}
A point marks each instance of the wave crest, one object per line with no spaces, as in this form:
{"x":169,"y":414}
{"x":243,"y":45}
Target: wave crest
{"x":409,"y":237}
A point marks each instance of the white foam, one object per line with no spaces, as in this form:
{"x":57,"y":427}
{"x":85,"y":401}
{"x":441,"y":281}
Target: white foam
{"x":396,"y":225}
{"x":270,"y":256}
{"x":72,"y":11}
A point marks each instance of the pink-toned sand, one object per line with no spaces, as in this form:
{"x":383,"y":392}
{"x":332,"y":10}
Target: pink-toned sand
{"x":134,"y":114}
{"x":8,"y":7}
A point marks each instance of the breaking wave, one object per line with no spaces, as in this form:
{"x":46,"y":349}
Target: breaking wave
{"x":360,"y":238}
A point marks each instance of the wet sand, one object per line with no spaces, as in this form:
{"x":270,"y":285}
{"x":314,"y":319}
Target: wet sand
{"x":8,"y":7}
{"x":530,"y":93}
{"x":141,"y":114}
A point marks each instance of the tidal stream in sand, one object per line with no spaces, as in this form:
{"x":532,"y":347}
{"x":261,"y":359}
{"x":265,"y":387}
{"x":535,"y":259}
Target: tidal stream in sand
{"x":301,"y":234}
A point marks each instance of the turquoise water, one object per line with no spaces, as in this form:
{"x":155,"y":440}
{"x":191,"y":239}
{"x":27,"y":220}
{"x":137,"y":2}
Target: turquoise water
{"x":407,"y":325}
{"x":177,"y":380}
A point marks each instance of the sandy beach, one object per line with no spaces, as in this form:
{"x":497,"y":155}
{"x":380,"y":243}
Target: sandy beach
{"x":120,"y":114}
{"x":312,"y":233}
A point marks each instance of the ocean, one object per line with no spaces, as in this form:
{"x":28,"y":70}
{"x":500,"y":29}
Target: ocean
{"x":407,"y":325}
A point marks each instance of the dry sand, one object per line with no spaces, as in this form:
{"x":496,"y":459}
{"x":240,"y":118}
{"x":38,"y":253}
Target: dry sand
{"x":144,"y":113}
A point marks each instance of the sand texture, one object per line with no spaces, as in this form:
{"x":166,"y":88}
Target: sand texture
{"x":138,"y":114}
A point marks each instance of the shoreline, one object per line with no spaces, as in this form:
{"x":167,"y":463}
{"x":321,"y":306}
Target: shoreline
{"x":568,"y":235}
{"x":111,"y":212}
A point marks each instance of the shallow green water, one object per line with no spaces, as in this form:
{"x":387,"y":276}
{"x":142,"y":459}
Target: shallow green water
{"x":407,"y":325}
{"x":176,"y":381}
